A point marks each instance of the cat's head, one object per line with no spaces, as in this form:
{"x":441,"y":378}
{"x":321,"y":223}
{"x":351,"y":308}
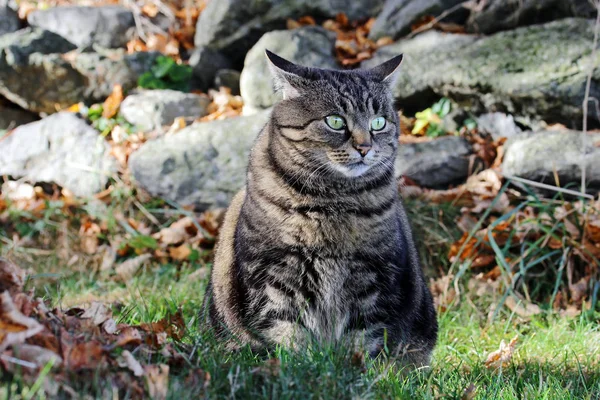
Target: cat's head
{"x":342,"y":121}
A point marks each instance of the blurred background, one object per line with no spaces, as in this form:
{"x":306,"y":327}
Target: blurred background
{"x":125,"y":128}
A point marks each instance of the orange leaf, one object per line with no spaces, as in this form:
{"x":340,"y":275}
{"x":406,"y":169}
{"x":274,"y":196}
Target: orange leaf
{"x":113,"y":102}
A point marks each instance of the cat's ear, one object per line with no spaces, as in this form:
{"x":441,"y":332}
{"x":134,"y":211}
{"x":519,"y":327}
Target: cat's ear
{"x":388,"y":71}
{"x":288,"y":77}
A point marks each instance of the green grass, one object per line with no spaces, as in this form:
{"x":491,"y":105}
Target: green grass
{"x":555,"y":358}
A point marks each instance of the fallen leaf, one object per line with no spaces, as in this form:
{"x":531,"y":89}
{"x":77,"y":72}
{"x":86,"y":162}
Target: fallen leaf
{"x":128,"y":361}
{"x":196,"y":377}
{"x":469,"y":392}
{"x":522,"y":309}
{"x":180,"y":253}
{"x":15,"y":327}
{"x":12,"y":277}
{"x":87,"y":355}
{"x":36,"y":355}
{"x":128,"y":336}
{"x":271,"y":367}
{"x":503,"y":355}
{"x":113,"y":102}
{"x":109,"y":326}
{"x":97,"y":312}
{"x":127,"y":269}
{"x":157,"y":379}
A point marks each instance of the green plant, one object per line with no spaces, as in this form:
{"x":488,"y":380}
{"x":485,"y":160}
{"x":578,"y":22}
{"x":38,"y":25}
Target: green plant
{"x":431,"y":119}
{"x":103,"y":124}
{"x":166,"y":74}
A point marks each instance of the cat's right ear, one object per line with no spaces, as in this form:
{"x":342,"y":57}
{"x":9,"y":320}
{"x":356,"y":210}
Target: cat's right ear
{"x":287,"y":76}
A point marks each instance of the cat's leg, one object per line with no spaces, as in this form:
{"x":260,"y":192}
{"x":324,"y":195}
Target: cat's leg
{"x":288,"y":334}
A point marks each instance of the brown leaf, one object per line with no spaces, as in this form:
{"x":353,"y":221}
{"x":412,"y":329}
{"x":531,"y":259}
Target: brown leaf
{"x":12,"y":277}
{"x":196,"y":377}
{"x":14,"y":326}
{"x":109,"y":326}
{"x":128,"y":336}
{"x":87,"y":355}
{"x":503,"y":355}
{"x":127,"y":269}
{"x":522,"y":308}
{"x":36,"y":355}
{"x":113,"y":102}
{"x":97,"y":312}
{"x":127,"y":360}
{"x":271,"y":367}
{"x":157,"y":379}
{"x":180,"y":253}
{"x":469,"y":392}
{"x":177,"y":232}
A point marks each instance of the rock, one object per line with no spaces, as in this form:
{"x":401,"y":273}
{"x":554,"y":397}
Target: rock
{"x":12,"y":117}
{"x":500,"y":15}
{"x":152,"y":109}
{"x":49,"y":80}
{"x":229,"y":78}
{"x":203,"y":164}
{"x":205,"y":63}
{"x":9,"y":20}
{"x":514,"y":71}
{"x":398,"y":15}
{"x":109,"y":26}
{"x":62,"y":149}
{"x":436,"y":164}
{"x":537,"y":156}
{"x":234,"y":26}
{"x":498,"y":125}
{"x":311,"y":46}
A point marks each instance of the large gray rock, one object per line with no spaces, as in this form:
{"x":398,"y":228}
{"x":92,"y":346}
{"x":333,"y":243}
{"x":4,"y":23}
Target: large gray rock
{"x":436,"y":164}
{"x":311,"y":46}
{"x":12,"y":117}
{"x":398,"y":15}
{"x":205,"y":63}
{"x":9,"y":20}
{"x":203,"y":164}
{"x":49,"y":80}
{"x":537,"y":71}
{"x":152,"y":109}
{"x":233,"y":26}
{"x":538,"y":156}
{"x":499,"y":15}
{"x":109,"y":26}
{"x":62,"y":149}
{"x":498,"y":125}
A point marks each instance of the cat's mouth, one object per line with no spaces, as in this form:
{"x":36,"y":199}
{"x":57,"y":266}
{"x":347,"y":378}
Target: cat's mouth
{"x":354,"y":169}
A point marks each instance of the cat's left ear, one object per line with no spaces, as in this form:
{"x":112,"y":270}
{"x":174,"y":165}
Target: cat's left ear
{"x":287,"y":76}
{"x":388,"y":71}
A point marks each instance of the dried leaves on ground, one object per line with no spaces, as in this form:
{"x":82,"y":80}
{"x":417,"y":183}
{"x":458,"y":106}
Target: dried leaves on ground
{"x":86,"y":340}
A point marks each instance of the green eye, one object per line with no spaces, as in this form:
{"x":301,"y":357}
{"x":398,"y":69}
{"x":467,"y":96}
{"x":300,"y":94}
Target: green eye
{"x":378,"y":123}
{"x":335,"y":122}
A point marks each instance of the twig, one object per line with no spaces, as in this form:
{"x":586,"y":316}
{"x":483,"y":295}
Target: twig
{"x":17,"y":361}
{"x":586,"y":97}
{"x":437,"y":19}
{"x":549,"y":187}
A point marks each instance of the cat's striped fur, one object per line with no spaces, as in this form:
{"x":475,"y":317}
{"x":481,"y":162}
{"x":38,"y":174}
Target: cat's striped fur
{"x":318,"y":244}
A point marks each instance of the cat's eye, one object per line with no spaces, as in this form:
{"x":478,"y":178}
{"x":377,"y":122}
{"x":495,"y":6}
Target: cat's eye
{"x":335,"y":122}
{"x":378,"y":123}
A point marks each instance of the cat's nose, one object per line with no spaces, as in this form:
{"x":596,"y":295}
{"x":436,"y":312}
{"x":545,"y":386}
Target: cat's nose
{"x":363,"y":149}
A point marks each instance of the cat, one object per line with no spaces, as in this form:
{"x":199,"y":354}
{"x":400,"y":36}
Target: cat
{"x":317,"y":246}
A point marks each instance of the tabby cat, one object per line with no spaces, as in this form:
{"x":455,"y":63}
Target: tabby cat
{"x":317,"y":246}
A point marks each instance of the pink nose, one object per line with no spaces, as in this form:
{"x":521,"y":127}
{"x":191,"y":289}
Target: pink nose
{"x":363,"y":149}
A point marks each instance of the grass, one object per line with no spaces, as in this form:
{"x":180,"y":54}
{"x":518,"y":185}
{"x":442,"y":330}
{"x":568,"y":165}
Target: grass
{"x":555,"y":358}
